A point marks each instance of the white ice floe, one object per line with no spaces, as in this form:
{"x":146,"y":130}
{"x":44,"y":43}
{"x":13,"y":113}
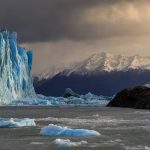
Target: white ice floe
{"x":139,"y":147}
{"x":147,"y":85}
{"x":16,"y":123}
{"x":55,"y":130}
{"x":68,"y":143}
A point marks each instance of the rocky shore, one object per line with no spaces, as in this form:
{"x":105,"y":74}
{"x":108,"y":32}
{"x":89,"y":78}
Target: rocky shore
{"x":137,"y":97}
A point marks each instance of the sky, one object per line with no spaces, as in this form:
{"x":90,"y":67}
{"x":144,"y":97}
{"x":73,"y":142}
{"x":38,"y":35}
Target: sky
{"x":62,"y":32}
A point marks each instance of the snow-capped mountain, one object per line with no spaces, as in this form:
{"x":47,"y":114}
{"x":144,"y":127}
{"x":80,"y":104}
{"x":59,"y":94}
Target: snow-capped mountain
{"x":101,"y":74}
{"x":101,"y":62}
{"x":109,"y":62}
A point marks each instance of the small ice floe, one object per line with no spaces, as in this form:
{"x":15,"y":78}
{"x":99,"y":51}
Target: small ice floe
{"x":54,"y":130}
{"x":147,"y":85}
{"x":147,"y":148}
{"x":16,"y":123}
{"x":68,"y":143}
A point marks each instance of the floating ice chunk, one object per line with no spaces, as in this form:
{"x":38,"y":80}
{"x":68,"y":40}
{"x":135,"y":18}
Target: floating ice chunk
{"x":54,"y":130}
{"x":147,"y":148}
{"x":68,"y":143}
{"x":147,"y":85}
{"x":139,"y":147}
{"x":16,"y":123}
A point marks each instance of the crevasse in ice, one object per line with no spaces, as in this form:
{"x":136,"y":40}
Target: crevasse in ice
{"x":15,"y":69}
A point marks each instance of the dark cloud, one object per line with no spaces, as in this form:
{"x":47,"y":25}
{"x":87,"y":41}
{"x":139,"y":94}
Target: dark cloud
{"x":38,"y":20}
{"x":62,"y":32}
{"x":50,"y":20}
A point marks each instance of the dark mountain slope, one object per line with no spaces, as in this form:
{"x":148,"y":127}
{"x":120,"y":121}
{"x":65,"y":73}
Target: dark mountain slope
{"x":104,"y":83}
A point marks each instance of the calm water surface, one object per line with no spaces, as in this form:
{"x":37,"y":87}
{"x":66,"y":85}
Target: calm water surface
{"x":120,"y":128}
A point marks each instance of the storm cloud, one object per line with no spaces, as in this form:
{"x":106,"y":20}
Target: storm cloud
{"x":66,"y":31}
{"x":51,"y":20}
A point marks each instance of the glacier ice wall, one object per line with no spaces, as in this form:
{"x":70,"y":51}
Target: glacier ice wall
{"x":15,"y":69}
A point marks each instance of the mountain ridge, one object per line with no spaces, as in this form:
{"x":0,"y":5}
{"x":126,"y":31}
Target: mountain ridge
{"x":100,"y":62}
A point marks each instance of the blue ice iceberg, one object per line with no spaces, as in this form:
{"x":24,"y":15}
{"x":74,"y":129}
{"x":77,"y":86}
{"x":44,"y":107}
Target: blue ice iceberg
{"x":54,"y":130}
{"x":16,"y":123}
{"x":15,"y":69}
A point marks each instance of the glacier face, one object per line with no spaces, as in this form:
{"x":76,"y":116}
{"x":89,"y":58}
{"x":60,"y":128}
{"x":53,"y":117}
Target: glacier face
{"x":15,"y":69}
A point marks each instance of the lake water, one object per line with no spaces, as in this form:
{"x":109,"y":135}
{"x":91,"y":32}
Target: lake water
{"x":120,"y":128}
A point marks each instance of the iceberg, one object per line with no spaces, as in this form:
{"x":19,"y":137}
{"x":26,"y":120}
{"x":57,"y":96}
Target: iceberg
{"x":16,"y":123}
{"x":15,"y":69}
{"x":68,"y":143}
{"x":55,"y":130}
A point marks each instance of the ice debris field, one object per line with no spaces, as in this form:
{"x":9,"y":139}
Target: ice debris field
{"x":83,"y":100}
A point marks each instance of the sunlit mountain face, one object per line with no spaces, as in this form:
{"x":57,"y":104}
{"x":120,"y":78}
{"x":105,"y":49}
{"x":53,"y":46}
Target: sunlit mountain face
{"x":101,"y":62}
